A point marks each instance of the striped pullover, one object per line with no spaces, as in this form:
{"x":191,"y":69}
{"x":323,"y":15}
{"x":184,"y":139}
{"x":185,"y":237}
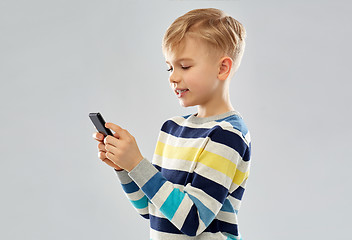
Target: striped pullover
{"x":193,"y":187}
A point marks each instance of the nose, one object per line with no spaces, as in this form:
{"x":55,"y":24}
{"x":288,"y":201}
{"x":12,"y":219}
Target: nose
{"x":174,"y":77}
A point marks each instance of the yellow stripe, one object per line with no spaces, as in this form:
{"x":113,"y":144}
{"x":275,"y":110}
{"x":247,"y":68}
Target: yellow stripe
{"x":200,"y":155}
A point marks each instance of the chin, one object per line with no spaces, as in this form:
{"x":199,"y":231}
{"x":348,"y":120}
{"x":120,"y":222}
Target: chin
{"x":185,"y":104}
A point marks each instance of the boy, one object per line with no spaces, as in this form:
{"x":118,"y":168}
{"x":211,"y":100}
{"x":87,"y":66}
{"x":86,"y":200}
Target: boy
{"x":194,"y":185}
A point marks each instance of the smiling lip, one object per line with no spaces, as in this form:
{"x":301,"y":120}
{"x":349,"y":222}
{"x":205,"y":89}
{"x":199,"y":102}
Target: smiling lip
{"x":181,"y":92}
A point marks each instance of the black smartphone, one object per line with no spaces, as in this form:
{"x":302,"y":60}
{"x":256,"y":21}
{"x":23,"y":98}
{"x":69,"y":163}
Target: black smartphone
{"x":99,"y":124}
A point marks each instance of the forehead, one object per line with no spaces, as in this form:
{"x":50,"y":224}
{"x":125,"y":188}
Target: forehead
{"x":189,"y":49}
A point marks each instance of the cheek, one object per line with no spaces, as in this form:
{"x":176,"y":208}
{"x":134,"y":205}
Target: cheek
{"x":202,"y":83}
{"x":195,"y":80}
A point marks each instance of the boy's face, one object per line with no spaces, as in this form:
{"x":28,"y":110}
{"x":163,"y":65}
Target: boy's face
{"x":193,"y":73}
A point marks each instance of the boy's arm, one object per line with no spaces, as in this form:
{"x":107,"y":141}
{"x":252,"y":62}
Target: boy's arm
{"x":134,"y":193}
{"x":192,"y":209}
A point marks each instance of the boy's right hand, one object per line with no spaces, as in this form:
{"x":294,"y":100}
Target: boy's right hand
{"x":102,"y":151}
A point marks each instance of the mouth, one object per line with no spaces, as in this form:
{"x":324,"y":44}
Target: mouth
{"x":181,"y":92}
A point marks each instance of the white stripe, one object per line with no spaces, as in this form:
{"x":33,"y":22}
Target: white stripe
{"x":143,"y":211}
{"x":156,"y":212}
{"x":182,"y":212}
{"x":235,"y":202}
{"x":180,"y":142}
{"x":227,"y":217}
{"x":162,"y":194}
{"x":135,"y":195}
{"x":201,"y":227}
{"x":213,"y":175}
{"x":155,"y":235}
{"x":174,"y":164}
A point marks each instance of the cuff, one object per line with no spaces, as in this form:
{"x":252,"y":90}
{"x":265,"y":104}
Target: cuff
{"x":143,"y":172}
{"x":123,"y":176}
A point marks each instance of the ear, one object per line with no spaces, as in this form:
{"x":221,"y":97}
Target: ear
{"x":225,"y":67}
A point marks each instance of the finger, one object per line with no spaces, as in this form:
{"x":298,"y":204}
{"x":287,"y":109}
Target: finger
{"x":117,"y":129}
{"x":111,"y":140}
{"x":110,"y":156}
{"x":101,"y":147}
{"x":110,"y":148}
{"x":102,"y":155}
{"x":98,"y":136}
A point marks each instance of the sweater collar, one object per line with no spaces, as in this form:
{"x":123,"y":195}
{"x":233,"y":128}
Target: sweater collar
{"x":194,"y":119}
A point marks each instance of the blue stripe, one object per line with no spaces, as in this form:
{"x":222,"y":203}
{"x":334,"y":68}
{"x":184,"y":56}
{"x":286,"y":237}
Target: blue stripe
{"x":233,"y":237}
{"x":153,"y":185}
{"x":205,"y":214}
{"x":238,"y":193}
{"x":216,"y":134}
{"x":237,"y":123}
{"x":227,"y":207}
{"x":130,"y":187}
{"x":213,"y":189}
{"x":187,"y":116}
{"x":141,"y":203}
{"x":172,"y":203}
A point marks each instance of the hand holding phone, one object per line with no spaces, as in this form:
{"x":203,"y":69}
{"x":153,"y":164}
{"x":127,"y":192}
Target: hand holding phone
{"x":99,"y":124}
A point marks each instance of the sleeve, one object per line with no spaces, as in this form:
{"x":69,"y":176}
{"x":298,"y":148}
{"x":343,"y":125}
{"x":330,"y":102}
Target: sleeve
{"x":192,"y":209}
{"x":134,"y":193}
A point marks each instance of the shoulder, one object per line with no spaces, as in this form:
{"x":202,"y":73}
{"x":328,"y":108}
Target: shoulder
{"x":235,"y":124}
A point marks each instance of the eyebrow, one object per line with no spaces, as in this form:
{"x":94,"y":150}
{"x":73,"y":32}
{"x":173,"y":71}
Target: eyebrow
{"x":182,"y":59}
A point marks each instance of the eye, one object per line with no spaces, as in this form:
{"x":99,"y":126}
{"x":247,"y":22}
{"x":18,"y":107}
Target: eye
{"x":185,"y":68}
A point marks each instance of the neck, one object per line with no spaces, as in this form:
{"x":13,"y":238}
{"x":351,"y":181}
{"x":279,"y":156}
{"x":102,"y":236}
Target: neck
{"x":215,"y":108}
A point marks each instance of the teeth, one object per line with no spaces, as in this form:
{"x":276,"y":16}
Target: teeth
{"x":181,"y":91}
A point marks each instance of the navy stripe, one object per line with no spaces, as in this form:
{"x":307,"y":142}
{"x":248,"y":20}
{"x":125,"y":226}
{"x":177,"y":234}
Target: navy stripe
{"x":146,"y":216}
{"x":210,"y":187}
{"x":238,"y":193}
{"x":247,"y":154}
{"x":176,"y":130}
{"x":157,"y":167}
{"x":191,"y":223}
{"x":216,"y":134}
{"x":163,"y":225}
{"x":176,"y":176}
{"x":220,"y":226}
{"x":231,"y":140}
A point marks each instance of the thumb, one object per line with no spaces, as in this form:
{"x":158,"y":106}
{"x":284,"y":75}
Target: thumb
{"x":117,"y":129}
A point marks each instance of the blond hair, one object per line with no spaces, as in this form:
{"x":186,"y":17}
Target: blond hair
{"x":215,"y":27}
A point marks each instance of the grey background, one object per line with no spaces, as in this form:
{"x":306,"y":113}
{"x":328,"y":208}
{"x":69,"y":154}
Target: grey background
{"x":60,"y":60}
